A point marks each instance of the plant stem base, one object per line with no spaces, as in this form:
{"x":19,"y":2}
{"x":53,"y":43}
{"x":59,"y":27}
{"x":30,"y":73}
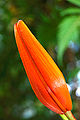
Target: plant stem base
{"x":69,"y":115}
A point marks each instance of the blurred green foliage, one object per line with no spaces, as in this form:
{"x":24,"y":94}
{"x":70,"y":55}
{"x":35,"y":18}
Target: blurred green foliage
{"x":76,"y":2}
{"x":56,"y":24}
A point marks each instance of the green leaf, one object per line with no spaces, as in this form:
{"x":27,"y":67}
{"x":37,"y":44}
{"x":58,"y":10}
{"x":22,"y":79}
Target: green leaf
{"x":76,"y":2}
{"x":67,"y":31}
{"x":70,"y":11}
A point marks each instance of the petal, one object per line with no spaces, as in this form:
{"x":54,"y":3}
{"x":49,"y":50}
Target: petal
{"x":47,"y":67}
{"x":34,"y":75}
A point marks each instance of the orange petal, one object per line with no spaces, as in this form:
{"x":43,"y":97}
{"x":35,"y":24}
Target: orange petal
{"x":45,"y":77}
{"x":34,"y":75}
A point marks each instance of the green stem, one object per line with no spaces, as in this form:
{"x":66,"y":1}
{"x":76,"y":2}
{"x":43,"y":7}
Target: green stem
{"x":63,"y":117}
{"x":68,"y":116}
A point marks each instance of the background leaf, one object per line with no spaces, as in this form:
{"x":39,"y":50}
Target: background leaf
{"x":76,"y":2}
{"x":68,"y":31}
{"x":70,"y":11}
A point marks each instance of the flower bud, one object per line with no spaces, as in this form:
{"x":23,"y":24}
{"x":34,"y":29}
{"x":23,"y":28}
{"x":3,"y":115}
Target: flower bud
{"x":46,"y":79}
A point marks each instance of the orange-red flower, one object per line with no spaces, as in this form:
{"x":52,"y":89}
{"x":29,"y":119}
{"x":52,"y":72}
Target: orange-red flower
{"x":46,"y":79}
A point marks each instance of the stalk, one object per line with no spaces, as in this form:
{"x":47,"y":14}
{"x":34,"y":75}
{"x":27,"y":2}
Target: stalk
{"x":68,"y":116}
{"x":63,"y":117}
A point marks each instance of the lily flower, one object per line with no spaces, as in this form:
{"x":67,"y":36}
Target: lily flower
{"x":45,"y":77}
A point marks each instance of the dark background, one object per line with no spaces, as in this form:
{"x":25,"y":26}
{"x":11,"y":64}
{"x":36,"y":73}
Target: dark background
{"x":56,"y":24}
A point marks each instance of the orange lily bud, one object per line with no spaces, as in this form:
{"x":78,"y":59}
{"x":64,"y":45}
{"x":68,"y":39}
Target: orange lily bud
{"x":46,"y":79}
